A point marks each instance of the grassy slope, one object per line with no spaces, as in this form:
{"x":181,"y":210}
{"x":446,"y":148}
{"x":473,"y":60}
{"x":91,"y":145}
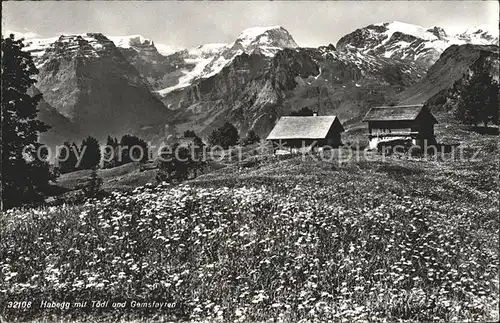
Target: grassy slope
{"x":123,"y":177}
{"x":365,"y":239}
{"x":129,"y":176}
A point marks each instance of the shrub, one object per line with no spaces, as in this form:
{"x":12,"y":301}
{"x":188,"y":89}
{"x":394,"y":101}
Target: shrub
{"x":133,"y":148}
{"x":178,"y":168}
{"x":225,"y":136}
{"x":93,"y":187}
{"x":416,"y":151}
{"x":251,"y":138}
{"x":110,"y":157}
{"x":303,"y":112}
{"x":189,"y":133}
{"x":478,"y":100}
{"x":91,"y":157}
{"x":67,"y":158}
{"x":249,"y":163}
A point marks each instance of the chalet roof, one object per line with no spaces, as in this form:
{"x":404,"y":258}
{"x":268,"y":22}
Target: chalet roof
{"x":313,"y":127}
{"x":395,"y":113}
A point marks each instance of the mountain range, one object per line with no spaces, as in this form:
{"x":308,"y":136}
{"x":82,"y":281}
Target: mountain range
{"x":410,"y":42}
{"x":98,"y":85}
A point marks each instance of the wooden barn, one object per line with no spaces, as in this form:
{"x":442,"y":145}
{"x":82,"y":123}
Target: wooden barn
{"x":297,"y":132}
{"x":413,"y":123}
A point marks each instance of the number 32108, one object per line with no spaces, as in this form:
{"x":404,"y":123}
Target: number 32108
{"x":19,"y":304}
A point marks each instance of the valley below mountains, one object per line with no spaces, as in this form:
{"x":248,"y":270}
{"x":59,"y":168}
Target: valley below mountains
{"x":98,"y":85}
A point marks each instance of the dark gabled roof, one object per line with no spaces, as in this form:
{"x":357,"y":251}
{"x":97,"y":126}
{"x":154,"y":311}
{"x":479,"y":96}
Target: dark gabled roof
{"x":396,"y":113}
{"x":314,"y":127}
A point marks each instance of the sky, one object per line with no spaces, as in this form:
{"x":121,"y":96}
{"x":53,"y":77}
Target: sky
{"x":189,"y":24}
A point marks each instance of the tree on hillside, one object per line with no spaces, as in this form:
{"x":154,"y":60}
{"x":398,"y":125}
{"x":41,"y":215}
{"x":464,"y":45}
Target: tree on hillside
{"x":24,"y":176}
{"x":178,"y":165}
{"x":133,"y":149}
{"x":189,"y":133}
{"x":251,"y":138}
{"x":198,"y":143}
{"x":67,"y":158}
{"x":213,"y":138}
{"x":91,"y":156}
{"x":93,"y":186}
{"x":225,"y":136}
{"x":492,"y":109}
{"x":478,"y":101}
{"x":304,"y":112}
{"x":110,"y":153}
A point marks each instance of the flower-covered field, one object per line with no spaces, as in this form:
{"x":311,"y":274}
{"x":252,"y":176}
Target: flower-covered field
{"x":289,"y":241}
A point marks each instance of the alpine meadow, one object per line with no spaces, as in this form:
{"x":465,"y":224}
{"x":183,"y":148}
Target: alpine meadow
{"x":340,"y":165}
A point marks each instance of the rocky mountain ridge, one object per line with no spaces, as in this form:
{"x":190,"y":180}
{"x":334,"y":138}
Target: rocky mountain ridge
{"x":254,"y":90}
{"x":88,"y":81}
{"x":82,"y":76}
{"x":102,"y":85}
{"x":406,"y":41}
{"x":452,"y":69}
{"x":210,"y":59}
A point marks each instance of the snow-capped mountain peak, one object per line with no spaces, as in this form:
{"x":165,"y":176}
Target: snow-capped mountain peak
{"x":138,"y":42}
{"x":478,"y":35}
{"x":82,"y":45}
{"x":37,"y":47}
{"x":273,"y":36}
{"x":407,"y":29}
{"x":407,"y":41}
{"x":201,"y":62}
{"x":438,"y":32}
{"x":129,"y":41}
{"x":210,"y":59}
{"x":207,"y":49}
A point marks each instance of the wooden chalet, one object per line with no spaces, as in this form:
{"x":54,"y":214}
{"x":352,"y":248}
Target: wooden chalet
{"x":311,"y":131}
{"x":414,"y":123}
